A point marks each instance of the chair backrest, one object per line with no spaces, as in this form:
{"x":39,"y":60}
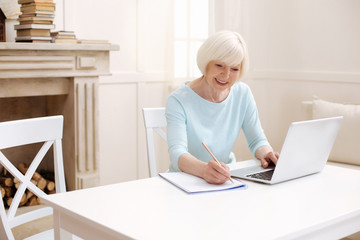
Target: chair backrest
{"x":46,"y":130}
{"x":155,"y":120}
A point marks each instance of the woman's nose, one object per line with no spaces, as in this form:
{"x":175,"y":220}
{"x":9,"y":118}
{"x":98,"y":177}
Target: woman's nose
{"x":226,"y":72}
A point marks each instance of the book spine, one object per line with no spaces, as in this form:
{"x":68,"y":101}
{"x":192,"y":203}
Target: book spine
{"x":37,"y":12}
{"x":34,"y":26}
{"x":34,"y":1}
{"x":38,"y":8}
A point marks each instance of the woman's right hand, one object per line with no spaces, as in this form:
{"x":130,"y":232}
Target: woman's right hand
{"x":211,"y":172}
{"x":214,"y":173}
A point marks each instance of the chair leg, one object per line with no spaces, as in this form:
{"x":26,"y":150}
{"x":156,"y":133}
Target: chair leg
{"x":57,"y":234}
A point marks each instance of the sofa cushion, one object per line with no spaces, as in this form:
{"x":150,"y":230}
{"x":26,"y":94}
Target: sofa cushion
{"x":347,"y":143}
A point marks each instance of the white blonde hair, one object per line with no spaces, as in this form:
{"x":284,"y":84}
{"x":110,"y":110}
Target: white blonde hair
{"x":225,"y":46}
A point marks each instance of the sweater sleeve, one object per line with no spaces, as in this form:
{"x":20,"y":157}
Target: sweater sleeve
{"x":252,"y":128}
{"x":176,"y":131}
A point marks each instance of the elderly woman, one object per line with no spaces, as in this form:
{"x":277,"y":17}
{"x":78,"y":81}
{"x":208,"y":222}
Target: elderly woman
{"x":213,"y":109}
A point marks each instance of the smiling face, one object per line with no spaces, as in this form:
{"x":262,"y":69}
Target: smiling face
{"x":220,"y":76}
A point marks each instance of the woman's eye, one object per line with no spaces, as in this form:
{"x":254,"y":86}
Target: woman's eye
{"x":218,"y":65}
{"x":235,"y":69}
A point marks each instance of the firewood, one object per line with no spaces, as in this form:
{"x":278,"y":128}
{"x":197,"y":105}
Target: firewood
{"x":37,"y":176}
{"x":9,"y":184}
{"x":29,"y":194}
{"x":9,"y":201}
{"x":41,"y":183}
{"x":48,"y":175}
{"x":50,"y":186}
{"x":6,"y":181}
{"x":2,"y":192}
{"x":32,"y":201}
{"x":8,"y":191}
{"x":17,"y":182}
{"x":52,"y":192}
{"x":5,"y":173}
{"x":23,"y":200}
{"x":22,"y":168}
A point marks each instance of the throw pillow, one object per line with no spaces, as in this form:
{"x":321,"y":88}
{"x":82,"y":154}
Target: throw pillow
{"x":347,"y":143}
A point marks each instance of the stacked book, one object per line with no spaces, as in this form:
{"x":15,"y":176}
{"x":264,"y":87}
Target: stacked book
{"x":36,"y":21}
{"x":63,"y":37}
{"x":92,"y":41}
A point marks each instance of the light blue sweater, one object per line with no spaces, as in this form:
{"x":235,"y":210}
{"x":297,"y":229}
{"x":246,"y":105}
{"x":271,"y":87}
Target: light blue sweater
{"x":192,"y":120}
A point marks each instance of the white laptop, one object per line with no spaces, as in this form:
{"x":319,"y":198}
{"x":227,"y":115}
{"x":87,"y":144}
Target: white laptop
{"x":305,"y":151}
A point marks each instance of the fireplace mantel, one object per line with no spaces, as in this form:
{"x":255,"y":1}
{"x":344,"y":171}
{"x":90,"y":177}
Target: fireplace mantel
{"x":65,"y":76}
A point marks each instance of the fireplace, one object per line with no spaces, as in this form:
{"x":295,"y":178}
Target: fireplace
{"x":51,"y":79}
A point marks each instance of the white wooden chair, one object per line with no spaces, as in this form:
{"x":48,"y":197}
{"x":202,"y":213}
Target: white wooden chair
{"x":155,"y":120}
{"x":48,"y":130}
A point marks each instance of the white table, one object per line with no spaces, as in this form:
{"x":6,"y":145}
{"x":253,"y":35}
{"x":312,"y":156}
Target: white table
{"x":321,"y":206}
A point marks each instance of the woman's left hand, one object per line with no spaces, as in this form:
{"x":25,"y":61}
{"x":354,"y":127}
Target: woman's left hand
{"x":266,"y":156}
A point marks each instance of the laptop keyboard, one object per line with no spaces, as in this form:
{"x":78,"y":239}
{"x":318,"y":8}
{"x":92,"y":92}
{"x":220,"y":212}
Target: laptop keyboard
{"x":249,"y":170}
{"x":267,"y":175}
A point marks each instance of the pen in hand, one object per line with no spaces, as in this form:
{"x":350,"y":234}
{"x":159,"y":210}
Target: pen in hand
{"x":212,"y":155}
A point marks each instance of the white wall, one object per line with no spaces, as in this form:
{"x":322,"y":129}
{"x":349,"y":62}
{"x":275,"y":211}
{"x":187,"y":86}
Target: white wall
{"x":298,"y":48}
{"x":320,"y":36}
{"x":140,"y":73}
{"x":113,"y":20}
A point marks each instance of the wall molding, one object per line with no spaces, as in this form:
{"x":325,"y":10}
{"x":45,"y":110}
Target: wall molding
{"x":323,"y":76}
{"x":134,"y":77}
{"x":255,"y":74}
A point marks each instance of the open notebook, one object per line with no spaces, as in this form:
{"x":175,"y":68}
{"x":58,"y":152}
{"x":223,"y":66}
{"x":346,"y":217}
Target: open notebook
{"x":192,"y":184}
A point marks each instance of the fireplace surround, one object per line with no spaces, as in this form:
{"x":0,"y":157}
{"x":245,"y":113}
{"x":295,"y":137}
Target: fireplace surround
{"x":43,"y":79}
